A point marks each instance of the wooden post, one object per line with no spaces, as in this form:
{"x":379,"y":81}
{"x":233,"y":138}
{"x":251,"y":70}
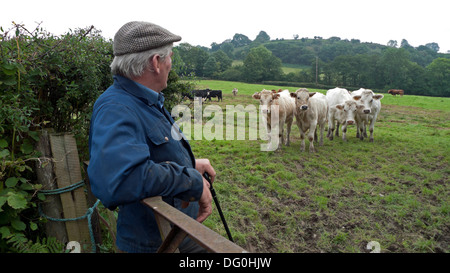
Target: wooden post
{"x":59,"y":167}
{"x":68,"y":172}
{"x":52,"y":206}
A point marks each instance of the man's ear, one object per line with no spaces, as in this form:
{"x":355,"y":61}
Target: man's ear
{"x":154,"y":63}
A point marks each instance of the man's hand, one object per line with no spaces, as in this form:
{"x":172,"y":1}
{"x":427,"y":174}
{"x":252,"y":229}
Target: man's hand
{"x":203,"y":165}
{"x":205,"y":202}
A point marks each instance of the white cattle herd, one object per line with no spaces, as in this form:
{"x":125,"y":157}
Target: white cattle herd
{"x":312,"y":110}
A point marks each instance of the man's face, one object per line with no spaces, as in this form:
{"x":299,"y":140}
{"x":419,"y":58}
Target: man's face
{"x":166,"y":66}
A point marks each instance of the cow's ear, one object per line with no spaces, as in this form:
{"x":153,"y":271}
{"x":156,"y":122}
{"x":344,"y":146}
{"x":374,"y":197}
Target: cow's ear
{"x":340,"y":106}
{"x":294,"y":95}
{"x":356,"y":97}
{"x":378,"y":96}
{"x":312,"y":94}
{"x":275,"y":96}
{"x":256,"y":96}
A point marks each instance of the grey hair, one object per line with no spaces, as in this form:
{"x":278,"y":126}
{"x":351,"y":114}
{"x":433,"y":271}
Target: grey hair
{"x":134,"y":64}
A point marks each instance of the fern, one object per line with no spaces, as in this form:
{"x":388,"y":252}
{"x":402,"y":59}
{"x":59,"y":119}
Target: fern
{"x":19,"y":243}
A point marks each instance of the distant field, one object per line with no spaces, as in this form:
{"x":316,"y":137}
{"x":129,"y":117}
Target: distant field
{"x":394,"y":191}
{"x":287,"y":68}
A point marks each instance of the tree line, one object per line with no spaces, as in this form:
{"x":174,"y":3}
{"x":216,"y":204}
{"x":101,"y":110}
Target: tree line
{"x":329,"y":62}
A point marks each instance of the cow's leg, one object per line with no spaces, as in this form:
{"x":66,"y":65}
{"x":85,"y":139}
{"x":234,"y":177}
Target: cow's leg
{"x":302,"y":143}
{"x":344,"y":132}
{"x":280,"y":136}
{"x":365,"y":128}
{"x":311,"y":133}
{"x":330,"y":129}
{"x":322,"y":128}
{"x":362,"y":128}
{"x":337,"y":128}
{"x":372,"y":126}
{"x":288,"y":129}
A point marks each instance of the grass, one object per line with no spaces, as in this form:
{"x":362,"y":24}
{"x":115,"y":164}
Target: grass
{"x":393,"y":191}
{"x":287,"y":68}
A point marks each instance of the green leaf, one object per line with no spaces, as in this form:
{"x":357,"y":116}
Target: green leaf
{"x":33,"y":226}
{"x":18,"y":225}
{"x":17,"y":201}
{"x":5,"y":232}
{"x":11,"y":182}
{"x":26,"y":148}
{"x":2,"y":202}
{"x":4,"y":153}
{"x":3,"y":143}
{"x":26,"y":187}
{"x":41,"y":196}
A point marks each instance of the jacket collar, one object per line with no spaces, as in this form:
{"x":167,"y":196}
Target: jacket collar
{"x":140,"y":91}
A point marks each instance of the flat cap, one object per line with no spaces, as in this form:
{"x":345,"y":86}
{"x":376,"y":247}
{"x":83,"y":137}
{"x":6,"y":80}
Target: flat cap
{"x":134,"y":37}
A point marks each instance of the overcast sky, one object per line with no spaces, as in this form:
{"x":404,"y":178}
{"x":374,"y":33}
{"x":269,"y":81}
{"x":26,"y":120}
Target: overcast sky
{"x":202,"y":22}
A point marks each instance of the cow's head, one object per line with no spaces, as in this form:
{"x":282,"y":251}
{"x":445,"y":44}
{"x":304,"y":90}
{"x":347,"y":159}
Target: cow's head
{"x":349,"y":109}
{"x":266,"y":98}
{"x":366,"y":98}
{"x":302,"y":98}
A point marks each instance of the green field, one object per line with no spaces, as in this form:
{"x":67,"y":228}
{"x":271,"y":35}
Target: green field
{"x":394,"y":191}
{"x":287,"y":68}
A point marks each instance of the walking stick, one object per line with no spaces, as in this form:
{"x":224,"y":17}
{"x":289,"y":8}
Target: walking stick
{"x":216,"y":201}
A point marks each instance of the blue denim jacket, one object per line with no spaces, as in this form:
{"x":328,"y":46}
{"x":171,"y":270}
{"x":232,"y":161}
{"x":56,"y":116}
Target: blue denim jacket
{"x":134,"y":156}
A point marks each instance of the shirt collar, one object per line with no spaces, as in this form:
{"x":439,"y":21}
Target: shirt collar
{"x":138,"y":90}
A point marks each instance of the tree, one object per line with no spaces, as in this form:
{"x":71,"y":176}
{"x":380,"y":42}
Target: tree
{"x":438,"y":76}
{"x":260,"y":64}
{"x":194,"y":58}
{"x":228,"y":48}
{"x":433,"y":46}
{"x":223,"y":62}
{"x":405,"y":44}
{"x":210,"y":67}
{"x":394,"y":68}
{"x":392,"y":43}
{"x":240,"y":40}
{"x":262,"y":37}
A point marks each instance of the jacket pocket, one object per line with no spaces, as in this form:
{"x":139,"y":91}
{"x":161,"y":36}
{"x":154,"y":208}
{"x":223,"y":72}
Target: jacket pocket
{"x":157,"y":136}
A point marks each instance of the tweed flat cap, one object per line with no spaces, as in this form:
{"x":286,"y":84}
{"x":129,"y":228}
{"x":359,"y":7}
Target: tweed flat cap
{"x":134,"y":37}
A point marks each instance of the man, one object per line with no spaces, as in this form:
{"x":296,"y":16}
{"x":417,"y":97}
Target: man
{"x":132,"y":152}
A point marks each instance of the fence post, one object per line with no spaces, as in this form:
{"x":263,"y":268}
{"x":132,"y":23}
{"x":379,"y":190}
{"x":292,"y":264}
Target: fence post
{"x":46,"y":177}
{"x":66,"y":205}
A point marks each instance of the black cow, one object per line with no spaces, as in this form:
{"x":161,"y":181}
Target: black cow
{"x":214,"y":93}
{"x":188,"y":95}
{"x":201,"y":93}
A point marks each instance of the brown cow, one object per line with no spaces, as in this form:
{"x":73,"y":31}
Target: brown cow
{"x":394,"y":92}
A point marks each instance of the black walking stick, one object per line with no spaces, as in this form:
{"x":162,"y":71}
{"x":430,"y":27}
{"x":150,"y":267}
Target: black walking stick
{"x":216,"y":201}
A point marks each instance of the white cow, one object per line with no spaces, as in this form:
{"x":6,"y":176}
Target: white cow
{"x":234,"y":91}
{"x":311,"y":109}
{"x":342,"y":109}
{"x":286,"y":106}
{"x":369,"y":113}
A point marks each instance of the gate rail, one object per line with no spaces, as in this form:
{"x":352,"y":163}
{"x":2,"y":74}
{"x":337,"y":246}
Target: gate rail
{"x":183,"y":226}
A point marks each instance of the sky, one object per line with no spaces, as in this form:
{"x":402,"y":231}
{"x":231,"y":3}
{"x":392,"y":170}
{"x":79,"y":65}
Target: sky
{"x":202,"y":22}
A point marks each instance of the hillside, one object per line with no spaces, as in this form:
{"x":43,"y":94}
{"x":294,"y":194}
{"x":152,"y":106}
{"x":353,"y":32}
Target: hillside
{"x":324,"y":62}
{"x":305,"y":50}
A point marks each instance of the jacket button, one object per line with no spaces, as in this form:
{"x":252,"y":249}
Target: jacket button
{"x":166,"y":138}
